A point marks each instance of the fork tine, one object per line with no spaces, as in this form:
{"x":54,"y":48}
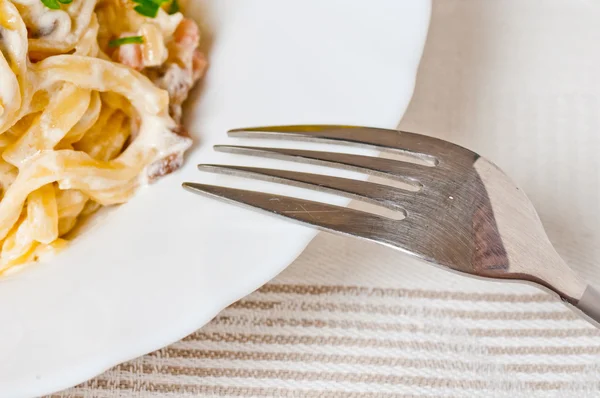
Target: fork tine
{"x":421,"y":146}
{"x":410,"y":173}
{"x":390,"y":197}
{"x":327,"y":217}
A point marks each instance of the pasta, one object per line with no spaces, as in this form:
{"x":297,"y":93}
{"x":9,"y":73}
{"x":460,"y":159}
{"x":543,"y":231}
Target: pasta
{"x":90,"y":107}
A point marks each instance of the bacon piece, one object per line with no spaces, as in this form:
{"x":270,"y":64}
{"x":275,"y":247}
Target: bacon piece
{"x":169,"y":163}
{"x":165,"y":166}
{"x":199,"y":64}
{"x":187,"y":34}
{"x":186,"y":64}
{"x":130,"y":55}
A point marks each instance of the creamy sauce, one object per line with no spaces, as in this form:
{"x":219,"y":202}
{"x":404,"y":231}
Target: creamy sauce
{"x":155,"y":132}
{"x":9,"y":43}
{"x":72,"y":152}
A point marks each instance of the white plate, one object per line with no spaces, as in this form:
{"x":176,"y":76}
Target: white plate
{"x":161,"y":266}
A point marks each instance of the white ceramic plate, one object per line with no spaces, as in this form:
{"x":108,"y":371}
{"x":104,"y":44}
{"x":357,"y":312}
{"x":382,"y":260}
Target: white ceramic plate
{"x":161,"y":266}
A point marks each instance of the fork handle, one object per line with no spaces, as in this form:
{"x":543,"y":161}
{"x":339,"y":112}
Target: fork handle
{"x":589,"y":304}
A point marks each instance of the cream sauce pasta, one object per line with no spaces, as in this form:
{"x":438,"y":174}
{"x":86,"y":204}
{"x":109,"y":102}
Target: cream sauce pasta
{"x":90,"y":108}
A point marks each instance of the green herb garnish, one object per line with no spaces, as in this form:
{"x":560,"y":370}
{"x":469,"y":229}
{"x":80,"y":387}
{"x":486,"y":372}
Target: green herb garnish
{"x":148,"y":8}
{"x":55,"y":4}
{"x":149,"y":11}
{"x":173,"y":7}
{"x":126,"y":40}
{"x":51,"y":4}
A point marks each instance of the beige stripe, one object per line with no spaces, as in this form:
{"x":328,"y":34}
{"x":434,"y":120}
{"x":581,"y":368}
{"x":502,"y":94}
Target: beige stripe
{"x":365,"y":360}
{"x":539,"y":333}
{"x":546,"y":368}
{"x":400,"y":327}
{"x":65,"y":395}
{"x":367,"y":378}
{"x":378,"y":343}
{"x":404,"y":310}
{"x":548,"y":350}
{"x":411,"y":293}
{"x":246,"y":391}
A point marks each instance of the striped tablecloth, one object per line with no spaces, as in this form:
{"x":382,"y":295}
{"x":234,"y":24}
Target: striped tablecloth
{"x":362,"y":322}
{"x":515,"y":80}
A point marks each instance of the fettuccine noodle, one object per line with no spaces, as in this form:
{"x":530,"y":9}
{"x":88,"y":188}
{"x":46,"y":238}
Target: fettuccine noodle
{"x":84,"y":122}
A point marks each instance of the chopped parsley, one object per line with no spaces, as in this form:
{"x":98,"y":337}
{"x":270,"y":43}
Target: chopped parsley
{"x":52,"y":4}
{"x":173,"y":7}
{"x":148,"y":8}
{"x":55,"y":4}
{"x":126,"y":40}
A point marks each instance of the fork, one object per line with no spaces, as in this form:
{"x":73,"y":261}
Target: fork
{"x":462,"y":214}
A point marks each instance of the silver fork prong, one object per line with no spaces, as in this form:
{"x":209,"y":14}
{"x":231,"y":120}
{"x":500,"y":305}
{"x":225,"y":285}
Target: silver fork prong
{"x":427,"y":148}
{"x":378,"y":194}
{"x":470,"y":217}
{"x":410,"y":173}
{"x":324,"y":216}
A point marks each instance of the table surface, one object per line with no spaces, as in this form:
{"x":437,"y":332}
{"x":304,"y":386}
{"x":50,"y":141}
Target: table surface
{"x":517,"y":81}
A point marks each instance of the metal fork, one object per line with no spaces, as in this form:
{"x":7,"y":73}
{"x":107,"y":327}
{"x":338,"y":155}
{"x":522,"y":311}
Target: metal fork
{"x":464,"y":214}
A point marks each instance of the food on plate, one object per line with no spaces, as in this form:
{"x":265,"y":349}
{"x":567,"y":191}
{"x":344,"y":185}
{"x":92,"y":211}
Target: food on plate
{"x":90,"y":109}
